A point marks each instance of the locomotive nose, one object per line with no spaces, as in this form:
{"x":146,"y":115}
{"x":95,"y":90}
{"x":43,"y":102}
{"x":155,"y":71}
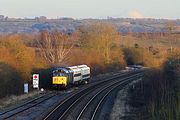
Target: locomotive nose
{"x":60,"y":80}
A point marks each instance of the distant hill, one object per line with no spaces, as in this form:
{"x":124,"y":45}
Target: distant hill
{"x":68,"y":25}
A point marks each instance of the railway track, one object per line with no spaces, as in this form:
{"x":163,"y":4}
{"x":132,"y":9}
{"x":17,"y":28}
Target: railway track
{"x":83,"y":103}
{"x":93,"y":106}
{"x":26,"y":106}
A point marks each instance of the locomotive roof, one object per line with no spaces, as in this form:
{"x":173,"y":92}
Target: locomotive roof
{"x":72,"y":68}
{"x":66,"y":69}
{"x":82,"y":66}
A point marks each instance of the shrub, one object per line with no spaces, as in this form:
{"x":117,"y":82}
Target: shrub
{"x":171,"y":66}
{"x":159,"y":93}
{"x":10,"y":82}
{"x":140,"y":56}
{"x":16,"y":54}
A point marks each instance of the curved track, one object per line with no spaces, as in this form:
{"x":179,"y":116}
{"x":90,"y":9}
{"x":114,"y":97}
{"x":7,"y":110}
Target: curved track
{"x":86,"y":103}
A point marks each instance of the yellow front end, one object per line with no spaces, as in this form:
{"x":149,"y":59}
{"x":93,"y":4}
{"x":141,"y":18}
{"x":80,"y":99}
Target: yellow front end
{"x":59,"y":80}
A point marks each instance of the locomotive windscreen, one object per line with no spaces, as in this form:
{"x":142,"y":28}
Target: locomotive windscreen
{"x":58,"y":73}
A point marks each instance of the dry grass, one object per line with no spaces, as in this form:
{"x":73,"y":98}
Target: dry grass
{"x":15,"y":100}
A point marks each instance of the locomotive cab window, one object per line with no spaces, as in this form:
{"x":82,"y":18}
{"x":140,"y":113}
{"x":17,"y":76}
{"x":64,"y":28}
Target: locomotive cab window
{"x":59,"y":73}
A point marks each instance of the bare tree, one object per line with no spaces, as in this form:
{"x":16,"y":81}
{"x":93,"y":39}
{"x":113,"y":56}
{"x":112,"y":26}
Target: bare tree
{"x":171,"y":27}
{"x":54,"y":47}
{"x":100,"y":37}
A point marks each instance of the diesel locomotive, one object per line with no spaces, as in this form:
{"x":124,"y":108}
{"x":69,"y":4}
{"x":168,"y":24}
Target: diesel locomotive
{"x":64,"y":77}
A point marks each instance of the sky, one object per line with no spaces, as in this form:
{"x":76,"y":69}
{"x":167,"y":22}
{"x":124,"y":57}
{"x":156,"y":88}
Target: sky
{"x":79,"y":9}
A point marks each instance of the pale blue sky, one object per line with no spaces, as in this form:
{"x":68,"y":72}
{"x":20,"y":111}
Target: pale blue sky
{"x":91,"y":8}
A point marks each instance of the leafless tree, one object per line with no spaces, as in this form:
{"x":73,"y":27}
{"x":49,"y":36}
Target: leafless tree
{"x":54,"y":47}
{"x":100,"y":37}
{"x":171,"y":28}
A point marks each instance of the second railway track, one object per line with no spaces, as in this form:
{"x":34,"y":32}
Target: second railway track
{"x":83,"y":103}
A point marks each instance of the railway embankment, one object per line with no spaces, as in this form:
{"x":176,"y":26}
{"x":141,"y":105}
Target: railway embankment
{"x":155,"y":97}
{"x":121,"y":109}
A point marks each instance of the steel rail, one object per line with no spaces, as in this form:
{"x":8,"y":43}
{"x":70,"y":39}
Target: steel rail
{"x":79,"y":93}
{"x":28,"y":102}
{"x":101,"y":101}
{"x":76,"y":101}
{"x":125,"y":80}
